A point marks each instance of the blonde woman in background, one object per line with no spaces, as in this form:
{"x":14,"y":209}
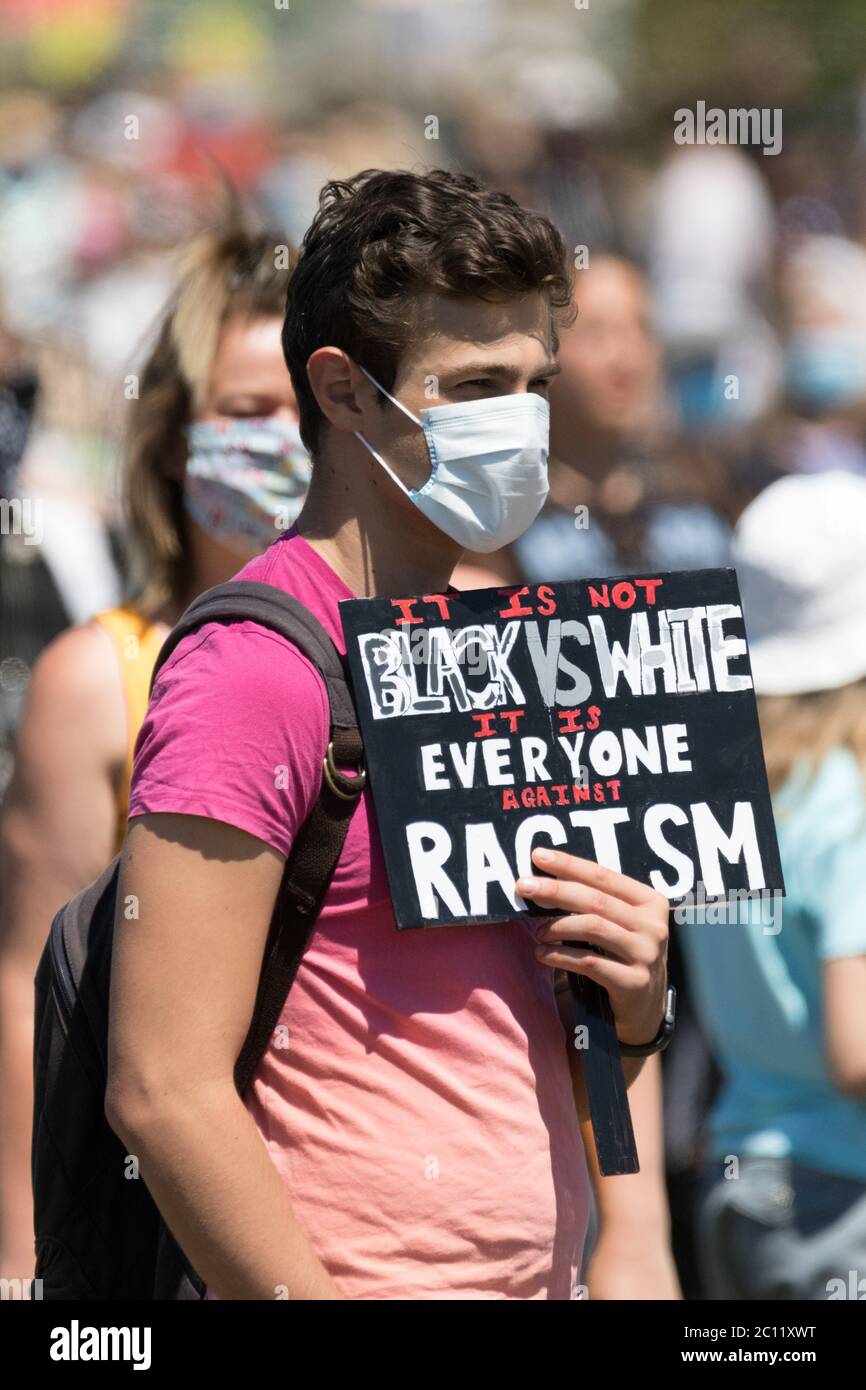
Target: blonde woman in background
{"x":782,"y":995}
{"x":214,"y":471}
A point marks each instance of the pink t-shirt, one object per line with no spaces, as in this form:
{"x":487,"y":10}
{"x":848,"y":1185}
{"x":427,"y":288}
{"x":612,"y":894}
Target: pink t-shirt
{"x":418,"y":1103}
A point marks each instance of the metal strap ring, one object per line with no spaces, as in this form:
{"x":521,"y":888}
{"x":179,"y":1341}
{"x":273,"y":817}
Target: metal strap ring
{"x":332,"y":772}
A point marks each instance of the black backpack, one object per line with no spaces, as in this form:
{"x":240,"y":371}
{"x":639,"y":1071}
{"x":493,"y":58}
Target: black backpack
{"x":99,"y":1234}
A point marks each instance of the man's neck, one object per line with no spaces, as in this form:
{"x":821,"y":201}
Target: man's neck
{"x":371,"y":536}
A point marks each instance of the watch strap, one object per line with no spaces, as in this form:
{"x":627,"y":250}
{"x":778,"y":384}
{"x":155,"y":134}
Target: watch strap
{"x":662,"y":1037}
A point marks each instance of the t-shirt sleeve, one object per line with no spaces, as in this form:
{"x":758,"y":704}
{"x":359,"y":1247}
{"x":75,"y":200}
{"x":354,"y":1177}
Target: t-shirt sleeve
{"x":236,"y":731}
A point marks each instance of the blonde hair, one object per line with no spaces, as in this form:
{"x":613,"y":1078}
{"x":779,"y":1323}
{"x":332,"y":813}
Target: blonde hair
{"x":810,"y":726}
{"x":230,"y":272}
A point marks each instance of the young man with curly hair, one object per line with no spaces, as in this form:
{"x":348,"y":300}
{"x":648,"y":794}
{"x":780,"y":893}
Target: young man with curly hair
{"x":418,"y":1137}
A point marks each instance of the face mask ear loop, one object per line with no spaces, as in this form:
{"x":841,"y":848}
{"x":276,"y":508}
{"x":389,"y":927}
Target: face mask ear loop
{"x":368,"y":446}
{"x":379,"y":459}
{"x":392,"y":399}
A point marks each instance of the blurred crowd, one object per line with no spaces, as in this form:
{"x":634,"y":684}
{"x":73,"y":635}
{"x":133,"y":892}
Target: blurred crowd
{"x":719,"y":349}
{"x":721,"y":341}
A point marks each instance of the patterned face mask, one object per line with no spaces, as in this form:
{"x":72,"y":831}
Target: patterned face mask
{"x":246,"y":479}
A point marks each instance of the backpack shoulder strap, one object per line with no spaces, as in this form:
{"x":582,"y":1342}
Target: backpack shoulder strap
{"x":313,"y":857}
{"x":250,"y":600}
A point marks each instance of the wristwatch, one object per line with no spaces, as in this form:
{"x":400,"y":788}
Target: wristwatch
{"x":662,"y":1037}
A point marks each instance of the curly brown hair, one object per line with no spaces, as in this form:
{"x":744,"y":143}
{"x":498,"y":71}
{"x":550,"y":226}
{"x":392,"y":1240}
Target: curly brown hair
{"x":382,"y":240}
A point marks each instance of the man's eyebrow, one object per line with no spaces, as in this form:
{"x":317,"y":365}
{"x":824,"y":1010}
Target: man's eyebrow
{"x":503,"y":369}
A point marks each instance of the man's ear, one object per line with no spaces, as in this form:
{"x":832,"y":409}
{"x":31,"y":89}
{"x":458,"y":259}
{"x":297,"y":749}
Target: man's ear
{"x":343,"y":394}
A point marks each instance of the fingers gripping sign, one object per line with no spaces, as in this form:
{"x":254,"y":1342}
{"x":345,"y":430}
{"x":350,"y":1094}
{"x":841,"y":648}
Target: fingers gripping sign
{"x":604,"y":912}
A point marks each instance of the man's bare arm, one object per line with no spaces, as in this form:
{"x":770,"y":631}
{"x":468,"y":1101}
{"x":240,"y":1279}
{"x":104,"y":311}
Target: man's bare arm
{"x":632,"y":1258}
{"x":195,"y":901}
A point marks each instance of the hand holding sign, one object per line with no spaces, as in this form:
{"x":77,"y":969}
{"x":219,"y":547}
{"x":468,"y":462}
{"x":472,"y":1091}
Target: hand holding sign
{"x":612,"y":718}
{"x":608,"y":910}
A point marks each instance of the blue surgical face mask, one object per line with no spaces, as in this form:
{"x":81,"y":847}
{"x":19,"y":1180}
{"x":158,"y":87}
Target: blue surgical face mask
{"x":825,"y":368}
{"x":246,"y":479}
{"x":488,"y":466}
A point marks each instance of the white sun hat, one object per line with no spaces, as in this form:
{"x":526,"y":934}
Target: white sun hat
{"x":800,"y":554}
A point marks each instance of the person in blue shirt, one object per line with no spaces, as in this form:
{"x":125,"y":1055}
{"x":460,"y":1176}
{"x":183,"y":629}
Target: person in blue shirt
{"x":780,"y":985}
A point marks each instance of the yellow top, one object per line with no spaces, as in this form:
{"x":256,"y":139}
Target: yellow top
{"x":136,"y":641}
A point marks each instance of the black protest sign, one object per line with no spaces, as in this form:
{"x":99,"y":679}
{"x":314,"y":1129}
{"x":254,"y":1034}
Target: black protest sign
{"x":612,"y":718}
